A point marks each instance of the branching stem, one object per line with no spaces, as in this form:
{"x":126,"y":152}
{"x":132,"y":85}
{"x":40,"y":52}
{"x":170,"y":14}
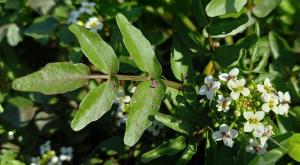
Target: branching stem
{"x":171,"y":84}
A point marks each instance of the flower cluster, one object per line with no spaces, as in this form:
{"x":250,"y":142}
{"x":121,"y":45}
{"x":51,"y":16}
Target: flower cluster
{"x":49,"y":157}
{"x":93,"y":23}
{"x":245,"y":106}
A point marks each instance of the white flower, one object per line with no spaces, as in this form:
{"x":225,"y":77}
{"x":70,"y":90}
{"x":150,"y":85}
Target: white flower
{"x":264,"y":134}
{"x":122,"y":100}
{"x":66,"y":153}
{"x":132,"y":90}
{"x":232,"y":75}
{"x":54,"y":161}
{"x":271,"y":102}
{"x":253,"y":120}
{"x":255,"y":146}
{"x":237,"y":88}
{"x":45,"y":147}
{"x":225,"y":134}
{"x":266,"y":87}
{"x":209,"y":87}
{"x":94,"y":24}
{"x":87,"y":7}
{"x":284,"y":100}
{"x":223,"y":103}
{"x":73,"y":17}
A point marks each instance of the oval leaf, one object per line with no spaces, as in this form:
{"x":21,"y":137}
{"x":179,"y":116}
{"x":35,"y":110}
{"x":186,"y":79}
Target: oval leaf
{"x":145,"y":103}
{"x":174,"y":123}
{"x":98,"y":101}
{"x":138,"y":47}
{"x":262,"y":8}
{"x":96,"y":50}
{"x":172,"y":147}
{"x":221,"y":7}
{"x":54,"y":78}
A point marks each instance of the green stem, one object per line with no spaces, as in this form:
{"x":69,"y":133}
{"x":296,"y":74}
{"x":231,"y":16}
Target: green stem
{"x":171,"y":84}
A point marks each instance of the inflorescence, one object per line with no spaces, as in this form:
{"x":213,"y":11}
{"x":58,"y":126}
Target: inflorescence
{"x":241,"y":107}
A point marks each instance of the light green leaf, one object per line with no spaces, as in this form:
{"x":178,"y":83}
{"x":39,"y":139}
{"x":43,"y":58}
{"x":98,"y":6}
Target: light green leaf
{"x":98,"y":101}
{"x":96,"y":50}
{"x":262,"y":8}
{"x":138,"y":47}
{"x":13,"y":35}
{"x":168,"y":148}
{"x":1,"y":109}
{"x":221,"y":7}
{"x":222,"y":27}
{"x":188,"y":153}
{"x":180,"y":62}
{"x":54,"y":78}
{"x":269,"y":158}
{"x":292,"y":144}
{"x":42,"y":6}
{"x":144,"y":104}
{"x":174,"y":123}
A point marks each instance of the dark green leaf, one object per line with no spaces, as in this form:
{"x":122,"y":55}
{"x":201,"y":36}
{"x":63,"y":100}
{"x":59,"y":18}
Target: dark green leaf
{"x":139,"y":47}
{"x":221,"y":7}
{"x":143,"y":106}
{"x":222,"y":27}
{"x":188,"y":153}
{"x":262,"y":7}
{"x":168,"y":148}
{"x":97,"y":51}
{"x":98,"y":101}
{"x":54,"y":78}
{"x":174,"y":123}
{"x":269,"y":158}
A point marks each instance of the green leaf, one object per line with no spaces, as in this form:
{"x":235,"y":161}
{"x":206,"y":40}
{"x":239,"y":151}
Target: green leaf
{"x":199,"y":13}
{"x":188,"y":153}
{"x":181,"y":62}
{"x":174,"y":123}
{"x":1,"y":109}
{"x":42,"y":6}
{"x":168,"y":148}
{"x":138,"y":47}
{"x":262,"y":8}
{"x":42,"y":28}
{"x":13,"y":35}
{"x":98,"y":101}
{"x":96,"y":50}
{"x":143,"y":106}
{"x":222,"y":27}
{"x":54,"y":78}
{"x":221,"y":7}
{"x":292,"y":144}
{"x":269,"y":158}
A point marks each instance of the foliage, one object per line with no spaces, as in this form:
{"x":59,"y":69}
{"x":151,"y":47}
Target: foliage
{"x":158,"y":82}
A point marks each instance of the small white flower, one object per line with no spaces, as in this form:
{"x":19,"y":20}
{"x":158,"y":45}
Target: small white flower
{"x":66,"y":153}
{"x":87,"y":7}
{"x":253,"y":120}
{"x":255,"y":146}
{"x":73,"y":17}
{"x":266,"y":87}
{"x":271,"y":102}
{"x":232,"y":75}
{"x":284,"y":100}
{"x":54,"y":161}
{"x":223,"y":103}
{"x":225,"y":134}
{"x":264,"y":134}
{"x":94,"y":24}
{"x":45,"y":147}
{"x":209,"y":87}
{"x":237,"y":88}
{"x":132,"y":90}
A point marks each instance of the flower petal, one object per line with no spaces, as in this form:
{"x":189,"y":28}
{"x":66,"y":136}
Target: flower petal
{"x":235,"y":95}
{"x":203,"y":90}
{"x":246,"y":92}
{"x":224,"y":128}
{"x":209,"y":79}
{"x":217,"y":136}
{"x":210,"y":95}
{"x":261,"y":88}
{"x":223,"y":76}
{"x":234,"y":72}
{"x":259,"y":115}
{"x":248,"y":127}
{"x":233,"y":133}
{"x":265,"y":107}
{"x":228,"y":142}
{"x":247,"y":115}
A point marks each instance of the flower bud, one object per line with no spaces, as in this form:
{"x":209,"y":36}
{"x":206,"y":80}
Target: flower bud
{"x":237,"y":113}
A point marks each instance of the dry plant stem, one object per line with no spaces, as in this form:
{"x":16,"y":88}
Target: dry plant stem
{"x":171,"y":84}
